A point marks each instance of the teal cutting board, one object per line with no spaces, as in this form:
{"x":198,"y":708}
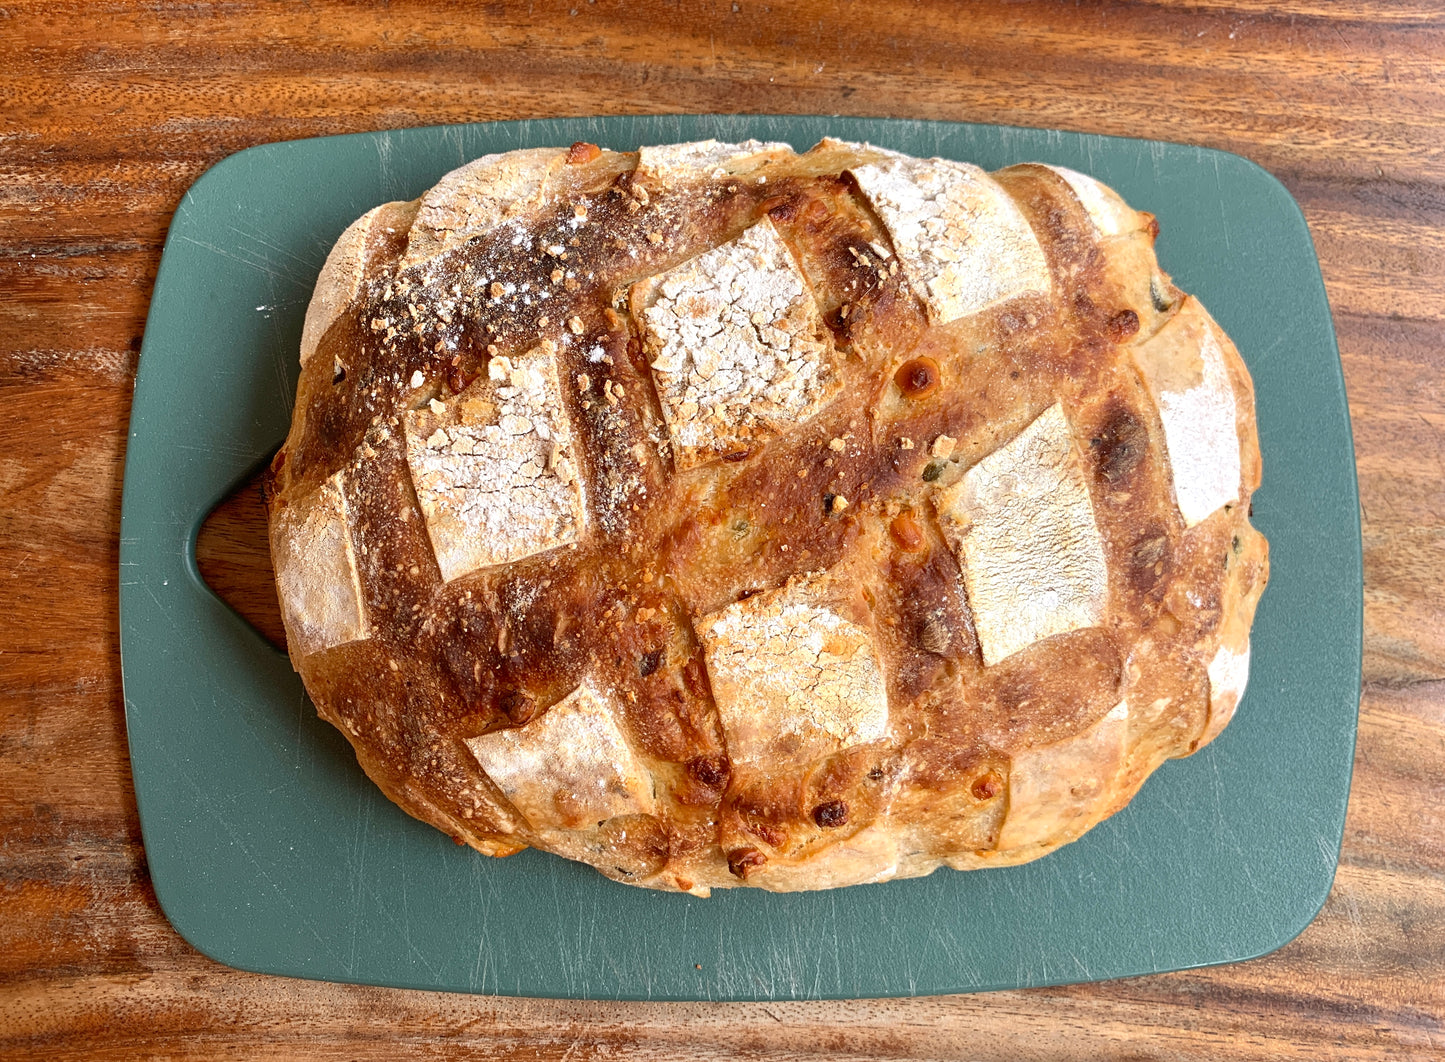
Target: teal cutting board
{"x":271,"y":851}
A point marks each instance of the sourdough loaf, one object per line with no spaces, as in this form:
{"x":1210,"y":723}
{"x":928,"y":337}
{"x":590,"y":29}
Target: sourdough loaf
{"x":719,"y":515}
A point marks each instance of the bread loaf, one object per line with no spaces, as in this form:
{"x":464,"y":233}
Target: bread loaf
{"x":719,"y":515}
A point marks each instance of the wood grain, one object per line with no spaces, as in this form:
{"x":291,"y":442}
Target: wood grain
{"x":109,"y":111}
{"x":233,"y":555}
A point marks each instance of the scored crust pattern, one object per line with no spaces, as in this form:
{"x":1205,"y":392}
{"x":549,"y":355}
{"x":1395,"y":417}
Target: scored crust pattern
{"x":577,"y":738}
{"x":736,"y":345}
{"x":1023,"y":526}
{"x":493,"y":469}
{"x":316,"y":570}
{"x":718,"y":515}
{"x":963,"y":242}
{"x":793,"y":680}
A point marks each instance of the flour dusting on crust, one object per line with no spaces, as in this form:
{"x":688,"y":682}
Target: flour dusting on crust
{"x":963,"y":242}
{"x":570,"y":768}
{"x":707,"y":158}
{"x":737,"y":347}
{"x":477,"y":198}
{"x":494,"y":469}
{"x":789,"y":673}
{"x":316,"y":575}
{"x":1023,"y":525}
{"x":1183,"y":364}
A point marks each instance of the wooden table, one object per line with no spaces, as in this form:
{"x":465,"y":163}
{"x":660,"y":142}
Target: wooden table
{"x":108,"y":113}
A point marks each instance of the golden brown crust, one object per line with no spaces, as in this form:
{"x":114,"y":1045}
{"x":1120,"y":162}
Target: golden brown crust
{"x":718,"y":515}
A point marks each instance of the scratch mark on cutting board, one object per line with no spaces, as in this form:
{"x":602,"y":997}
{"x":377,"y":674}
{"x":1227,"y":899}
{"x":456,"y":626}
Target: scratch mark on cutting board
{"x":361,"y":833}
{"x":244,"y":849}
{"x":308,"y":267}
{"x":283,"y":354}
{"x":150,"y":593}
{"x":483,"y":969}
{"x":301,"y":715}
{"x":1223,"y":216}
{"x":262,"y":265}
{"x":833,"y":921}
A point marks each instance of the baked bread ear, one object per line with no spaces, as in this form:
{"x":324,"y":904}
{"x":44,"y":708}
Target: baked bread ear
{"x":719,"y":515}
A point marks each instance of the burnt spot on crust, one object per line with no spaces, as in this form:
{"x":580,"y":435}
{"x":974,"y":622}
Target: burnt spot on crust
{"x":701,"y":784}
{"x":518,"y":705}
{"x":831,"y":815}
{"x":1123,"y":325}
{"x":710,"y":771}
{"x":743,"y":861}
{"x":917,"y":377}
{"x":1119,"y":444}
{"x":786,"y":208}
{"x":1159,"y":295}
{"x":933,"y":634}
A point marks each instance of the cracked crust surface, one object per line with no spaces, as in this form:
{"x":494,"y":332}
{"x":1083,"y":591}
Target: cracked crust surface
{"x":723,"y":516}
{"x":792,"y":679}
{"x":737,"y":347}
{"x":493,"y":469}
